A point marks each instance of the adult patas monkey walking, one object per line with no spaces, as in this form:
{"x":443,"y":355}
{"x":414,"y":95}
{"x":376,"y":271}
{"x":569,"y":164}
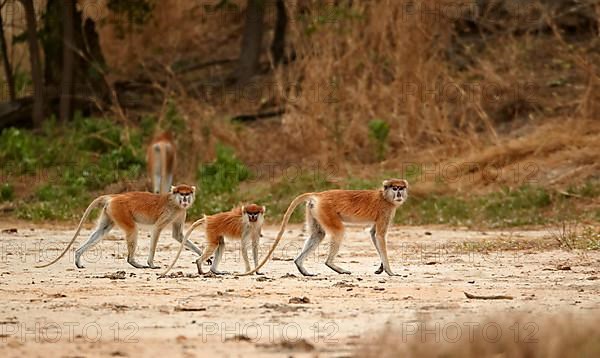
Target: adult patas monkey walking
{"x":128,"y":210}
{"x":327,"y":211}
{"x":160,"y":159}
{"x":243,"y":223}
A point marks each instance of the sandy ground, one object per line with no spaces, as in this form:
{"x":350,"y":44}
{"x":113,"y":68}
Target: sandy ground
{"x":63,"y":311}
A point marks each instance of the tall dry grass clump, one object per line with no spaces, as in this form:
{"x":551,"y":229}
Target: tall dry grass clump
{"x":367,"y":81}
{"x":378,"y":60}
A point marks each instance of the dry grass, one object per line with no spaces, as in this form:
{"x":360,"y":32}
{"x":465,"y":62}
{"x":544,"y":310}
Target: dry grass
{"x":499,"y":101}
{"x":521,"y":104}
{"x":513,"y":336}
{"x":565,"y":235}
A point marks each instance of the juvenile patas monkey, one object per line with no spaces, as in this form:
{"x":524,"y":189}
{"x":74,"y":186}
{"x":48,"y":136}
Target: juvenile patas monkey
{"x":327,"y":211}
{"x":160,"y":159}
{"x":128,"y":210}
{"x":243,"y":223}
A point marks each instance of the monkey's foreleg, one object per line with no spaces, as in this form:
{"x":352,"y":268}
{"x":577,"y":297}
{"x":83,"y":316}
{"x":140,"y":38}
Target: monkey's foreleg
{"x":153,"y":244}
{"x":255,"y":244}
{"x":131,"y":237}
{"x":383,"y":255}
{"x":334,"y":248}
{"x":374,"y":240}
{"x":245,"y":242}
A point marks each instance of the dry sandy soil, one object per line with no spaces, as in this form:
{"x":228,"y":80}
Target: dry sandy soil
{"x":97,"y":311}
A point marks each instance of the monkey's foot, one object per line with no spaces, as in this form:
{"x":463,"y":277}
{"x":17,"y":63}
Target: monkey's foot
{"x":305,"y":273}
{"x":79,"y":266}
{"x":199,"y":265}
{"x":303,"y":270}
{"x":338,"y":269}
{"x":259,"y":273}
{"x":152,"y":266}
{"x":379,"y":270}
{"x":390,"y":273}
{"x":136,"y":265}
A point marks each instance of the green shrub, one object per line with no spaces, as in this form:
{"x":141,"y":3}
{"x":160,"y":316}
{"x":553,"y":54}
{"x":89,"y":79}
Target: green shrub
{"x":7,"y":192}
{"x":218,"y":182}
{"x":224,"y":174}
{"x":379,"y":131}
{"x":85,"y":155}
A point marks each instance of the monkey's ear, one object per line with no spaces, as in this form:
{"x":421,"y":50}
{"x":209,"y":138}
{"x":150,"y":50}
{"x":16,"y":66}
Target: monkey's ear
{"x":173,"y":187}
{"x":264,"y":209}
{"x":243,"y":209}
{"x":193,"y":189}
{"x":386,"y":183}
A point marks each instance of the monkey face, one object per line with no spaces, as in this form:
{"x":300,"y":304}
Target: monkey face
{"x":396,"y":190}
{"x":184,"y":195}
{"x":254,"y":212}
{"x":253,"y":217}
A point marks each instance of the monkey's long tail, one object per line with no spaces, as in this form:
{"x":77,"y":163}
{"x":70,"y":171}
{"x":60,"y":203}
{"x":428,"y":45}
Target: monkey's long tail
{"x":99,"y":200}
{"x":187,"y":235}
{"x":299,"y":200}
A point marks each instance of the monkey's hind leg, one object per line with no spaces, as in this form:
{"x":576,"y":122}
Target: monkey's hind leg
{"x":316,"y":236}
{"x":105,"y":224}
{"x":218,"y":256}
{"x":208,"y":250}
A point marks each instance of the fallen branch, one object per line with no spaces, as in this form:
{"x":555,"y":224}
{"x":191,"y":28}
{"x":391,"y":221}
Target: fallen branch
{"x":498,"y":297}
{"x":254,"y":117}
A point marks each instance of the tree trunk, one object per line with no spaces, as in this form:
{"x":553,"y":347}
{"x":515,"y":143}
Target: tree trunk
{"x":73,"y":62}
{"x":66,"y":86}
{"x":278,"y":45}
{"x":52,"y":45}
{"x":251,"y":41}
{"x":36,"y":66}
{"x":8,"y":73}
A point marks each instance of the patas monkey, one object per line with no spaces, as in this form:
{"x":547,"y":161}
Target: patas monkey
{"x":243,"y":223}
{"x":128,"y":210}
{"x":160,"y":159}
{"x":327,"y":211}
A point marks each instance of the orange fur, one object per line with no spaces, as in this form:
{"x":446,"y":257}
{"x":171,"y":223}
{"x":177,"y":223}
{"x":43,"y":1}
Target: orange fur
{"x":327,"y":211}
{"x":231,"y":224}
{"x":227,"y":224}
{"x":128,"y":210}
